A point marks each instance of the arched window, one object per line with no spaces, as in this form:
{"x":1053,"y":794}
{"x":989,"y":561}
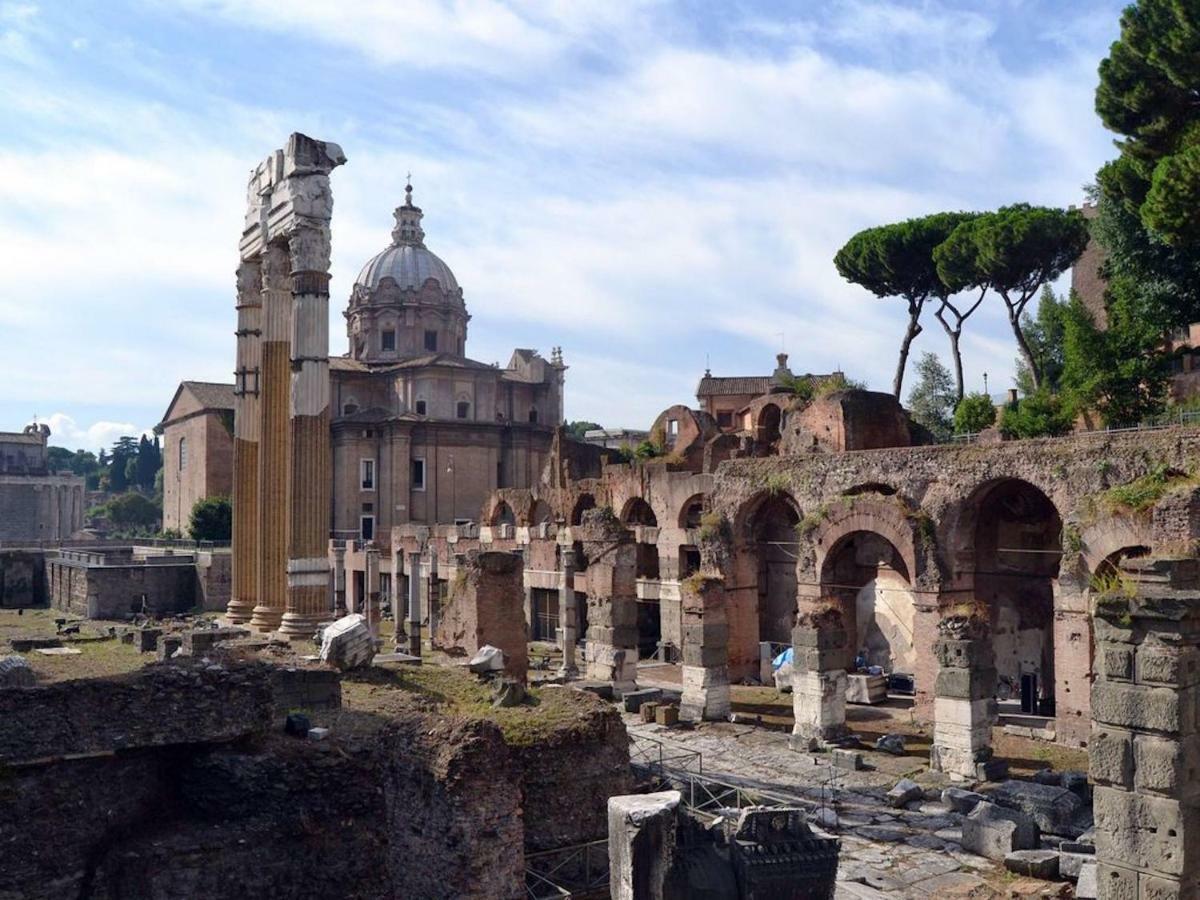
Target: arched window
{"x":533,"y":416}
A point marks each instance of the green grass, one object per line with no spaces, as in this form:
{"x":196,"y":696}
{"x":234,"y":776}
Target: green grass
{"x":1143,"y":493}
{"x":454,"y":691}
{"x":97,"y":658}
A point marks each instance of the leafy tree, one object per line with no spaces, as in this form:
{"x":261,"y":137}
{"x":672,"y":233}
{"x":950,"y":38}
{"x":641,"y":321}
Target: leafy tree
{"x":1119,"y":372}
{"x":974,"y":413}
{"x":1040,"y":414}
{"x":1044,"y":333}
{"x":1147,"y":94}
{"x":578,"y":429}
{"x":931,"y":401}
{"x":1014,"y":251}
{"x":131,"y":512}
{"x":211,"y":519}
{"x":897,"y":261}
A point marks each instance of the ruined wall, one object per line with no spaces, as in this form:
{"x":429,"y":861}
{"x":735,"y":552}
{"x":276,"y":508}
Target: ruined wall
{"x":182,"y":786}
{"x":79,"y":583}
{"x":22,"y":578}
{"x":487,"y":606}
{"x":568,"y":779}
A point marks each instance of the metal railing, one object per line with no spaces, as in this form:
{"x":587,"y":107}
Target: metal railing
{"x":567,"y":871}
{"x":647,"y":754}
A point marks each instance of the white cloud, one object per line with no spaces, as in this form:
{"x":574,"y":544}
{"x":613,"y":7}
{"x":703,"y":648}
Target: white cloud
{"x":477,"y":35}
{"x":65,"y":432}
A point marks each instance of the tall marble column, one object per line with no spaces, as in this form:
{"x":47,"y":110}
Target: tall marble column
{"x":372,"y":606}
{"x":244,"y":593}
{"x":337,"y":550}
{"x":310,"y":465}
{"x":274,"y":439}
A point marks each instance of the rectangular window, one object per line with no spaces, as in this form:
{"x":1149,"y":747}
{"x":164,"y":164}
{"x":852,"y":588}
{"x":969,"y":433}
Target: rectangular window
{"x":388,"y":340}
{"x":366,"y":528}
{"x":464,"y":409}
{"x":418,"y":475}
{"x":431,"y":340}
{"x":182,"y":454}
{"x":725,"y":419}
{"x":367,"y":474}
{"x":420,"y":407}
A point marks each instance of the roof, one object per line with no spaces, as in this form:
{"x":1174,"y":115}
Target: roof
{"x":446,"y":360}
{"x":209,"y":395}
{"x":712,"y":386}
{"x":409,"y":266}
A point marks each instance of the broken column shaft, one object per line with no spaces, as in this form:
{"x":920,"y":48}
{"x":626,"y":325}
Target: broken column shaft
{"x":964,"y":705}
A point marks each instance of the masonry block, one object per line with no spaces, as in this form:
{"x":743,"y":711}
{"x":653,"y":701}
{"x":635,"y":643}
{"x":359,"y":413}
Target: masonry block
{"x":1145,"y":708}
{"x":1116,"y":661}
{"x":1110,"y":756}
{"x":1145,"y":832}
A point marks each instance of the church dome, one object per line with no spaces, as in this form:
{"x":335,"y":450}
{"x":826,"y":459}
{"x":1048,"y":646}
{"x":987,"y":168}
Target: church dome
{"x":409,"y":266}
{"x":407,"y":261}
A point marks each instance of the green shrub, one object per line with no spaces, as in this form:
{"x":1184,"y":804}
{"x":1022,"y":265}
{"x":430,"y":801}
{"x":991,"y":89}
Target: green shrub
{"x":974,"y":413}
{"x":1040,"y":414}
{"x":211,"y":519}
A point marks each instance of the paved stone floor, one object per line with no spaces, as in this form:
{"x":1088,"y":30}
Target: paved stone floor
{"x":896,"y":853}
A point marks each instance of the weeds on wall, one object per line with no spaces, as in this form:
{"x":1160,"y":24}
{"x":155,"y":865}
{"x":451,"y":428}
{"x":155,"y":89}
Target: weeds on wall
{"x":1141,"y":494}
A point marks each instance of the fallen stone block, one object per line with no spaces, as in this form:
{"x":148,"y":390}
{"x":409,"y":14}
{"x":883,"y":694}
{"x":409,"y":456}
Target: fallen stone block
{"x":403,"y":659}
{"x":15,"y":672}
{"x":850,"y":760}
{"x":507,"y":693}
{"x":168,"y":644}
{"x":297,"y":724}
{"x":961,"y":801}
{"x":318,"y":734}
{"x":891,"y":743}
{"x":633,"y":700}
{"x":602,"y":689}
{"x":347,"y":643}
{"x":666,"y":715}
{"x":824,"y":818}
{"x":1088,"y":885}
{"x":146,"y":639}
{"x":905,"y":791}
{"x":1034,"y":863}
{"x":1072,"y":857}
{"x":648,"y":711}
{"x":994,"y":831}
{"x":866,"y":689}
{"x":1053,"y":809}
{"x":488,"y":659}
{"x":57,"y":651}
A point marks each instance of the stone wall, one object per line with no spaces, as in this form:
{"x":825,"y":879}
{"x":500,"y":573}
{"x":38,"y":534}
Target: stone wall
{"x":22,"y":578}
{"x":487,"y":606}
{"x":40,"y":507}
{"x":111,"y":584}
{"x":567,"y":779}
{"x":175,"y":782}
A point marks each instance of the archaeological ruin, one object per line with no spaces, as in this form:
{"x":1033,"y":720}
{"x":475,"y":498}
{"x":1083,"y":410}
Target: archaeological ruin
{"x":790,"y":648}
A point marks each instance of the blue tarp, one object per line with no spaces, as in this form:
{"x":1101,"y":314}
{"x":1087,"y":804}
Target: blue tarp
{"x":784,"y":657}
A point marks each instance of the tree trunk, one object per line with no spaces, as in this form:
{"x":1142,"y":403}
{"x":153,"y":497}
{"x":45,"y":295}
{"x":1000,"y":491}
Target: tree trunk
{"x":910,"y":335}
{"x":954,"y":333}
{"x":1014,"y":319}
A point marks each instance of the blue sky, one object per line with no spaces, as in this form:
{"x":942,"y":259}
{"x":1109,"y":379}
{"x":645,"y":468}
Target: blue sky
{"x":647,"y":184}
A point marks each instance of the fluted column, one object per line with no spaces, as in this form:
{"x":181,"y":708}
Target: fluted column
{"x":310,"y":468}
{"x":244,"y":594}
{"x":274,"y":439}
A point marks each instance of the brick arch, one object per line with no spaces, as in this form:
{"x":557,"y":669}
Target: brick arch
{"x":539,"y":512}
{"x":958,"y":526}
{"x":637,"y":508}
{"x":875,"y":516}
{"x":583,"y":503}
{"x":686,"y":506}
{"x":502,"y":514}
{"x":743,"y":520}
{"x":1101,"y":540}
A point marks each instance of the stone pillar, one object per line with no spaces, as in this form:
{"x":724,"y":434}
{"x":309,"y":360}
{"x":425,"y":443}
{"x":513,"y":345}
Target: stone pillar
{"x":430,"y":612}
{"x":338,"y":550}
{"x":243,"y":596}
{"x":964,"y":705}
{"x":485,"y":607}
{"x":1072,"y":662}
{"x":373,"y":610}
{"x":820,"y":654}
{"x":641,"y":844}
{"x":612,"y":636}
{"x":286,"y":235}
{"x":568,"y":616}
{"x":1145,"y":743}
{"x":705,"y":649}
{"x":310,"y":460}
{"x":274,"y":438}
{"x":414,"y":603}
